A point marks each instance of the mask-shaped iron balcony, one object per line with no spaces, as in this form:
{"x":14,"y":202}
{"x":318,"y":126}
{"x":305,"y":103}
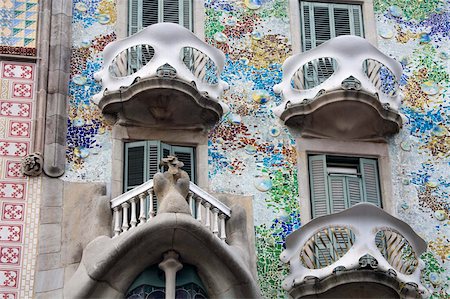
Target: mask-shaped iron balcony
{"x":345,"y":89}
{"x":162,"y":76}
{"x":357,"y":250}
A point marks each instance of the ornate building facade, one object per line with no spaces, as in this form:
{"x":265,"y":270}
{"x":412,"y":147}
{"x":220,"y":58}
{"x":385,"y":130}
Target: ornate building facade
{"x":290,"y":131}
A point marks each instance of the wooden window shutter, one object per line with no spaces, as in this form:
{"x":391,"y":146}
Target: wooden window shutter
{"x":150,"y":12}
{"x":135,"y":166}
{"x":187,"y":156}
{"x":338,"y":193}
{"x":318,"y":186}
{"x":370,"y":181}
{"x":153,"y":158}
{"x":321,"y":22}
{"x":354,"y":191}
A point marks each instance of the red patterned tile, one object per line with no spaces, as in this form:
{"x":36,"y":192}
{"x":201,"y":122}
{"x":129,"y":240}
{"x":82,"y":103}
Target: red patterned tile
{"x":10,"y":255}
{"x":19,"y":128}
{"x":13,"y":211}
{"x":22,"y":90}
{"x":15,"y":109}
{"x":12,"y":190}
{"x":8,"y":295}
{"x":13,"y":148}
{"x":18,"y":70}
{"x":14,"y":170}
{"x":9,"y":278}
{"x":11,"y":233}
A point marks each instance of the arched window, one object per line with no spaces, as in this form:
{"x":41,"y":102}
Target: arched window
{"x":150,"y":284}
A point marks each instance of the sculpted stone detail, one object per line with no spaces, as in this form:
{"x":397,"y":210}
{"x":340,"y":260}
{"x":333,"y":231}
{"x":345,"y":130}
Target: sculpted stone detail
{"x":172,"y":187}
{"x":32,"y":164}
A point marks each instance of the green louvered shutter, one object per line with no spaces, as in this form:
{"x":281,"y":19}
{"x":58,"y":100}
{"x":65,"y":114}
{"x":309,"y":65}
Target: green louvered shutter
{"x":337,"y":191}
{"x":370,"y":181}
{"x":186,"y":13}
{"x":318,"y":185}
{"x":321,"y":22}
{"x":143,"y":13}
{"x":135,"y":166}
{"x":354,"y":191}
{"x":153,"y":158}
{"x":171,"y":11}
{"x":187,"y":156}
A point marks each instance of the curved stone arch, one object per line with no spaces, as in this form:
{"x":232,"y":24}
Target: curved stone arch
{"x":109,"y":266}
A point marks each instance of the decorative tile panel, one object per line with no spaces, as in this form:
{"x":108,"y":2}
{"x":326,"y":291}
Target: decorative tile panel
{"x":18,"y":27}
{"x":22,"y":90}
{"x":8,"y":295}
{"x":9,"y":278}
{"x":13,"y":149}
{"x":19,"y":214}
{"x":11,"y":233}
{"x":21,"y":129}
{"x":12,"y":211}
{"x":17,"y":70}
{"x":14,"y":190}
{"x":15,"y":109}
{"x":14,"y":170}
{"x":10,"y":255}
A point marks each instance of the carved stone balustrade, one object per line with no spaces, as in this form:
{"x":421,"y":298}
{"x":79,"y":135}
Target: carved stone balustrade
{"x":345,"y":89}
{"x":363,"y":245}
{"x":139,"y":205}
{"x":162,"y":76}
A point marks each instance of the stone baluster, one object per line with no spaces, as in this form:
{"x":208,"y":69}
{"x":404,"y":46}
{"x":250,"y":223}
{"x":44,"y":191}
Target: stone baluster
{"x":133,"y":220}
{"x":198,"y":206}
{"x":170,"y":265}
{"x":207,"y":206}
{"x":190,"y":202}
{"x":223,"y":234}
{"x":125,"y":224}
{"x":150,"y":206}
{"x":116,"y":216}
{"x":215,"y":227}
{"x":142,"y":217}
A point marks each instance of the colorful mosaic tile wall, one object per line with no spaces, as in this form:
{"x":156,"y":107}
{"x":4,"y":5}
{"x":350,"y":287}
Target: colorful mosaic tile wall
{"x":88,"y":138}
{"x":18,"y":213}
{"x":417,"y":34}
{"x":18,"y":27}
{"x":250,"y":152}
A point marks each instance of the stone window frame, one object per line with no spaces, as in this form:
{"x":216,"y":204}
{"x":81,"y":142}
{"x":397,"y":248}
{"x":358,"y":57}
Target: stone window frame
{"x":193,"y":138}
{"x":198,"y":11}
{"x":368,"y":16}
{"x":360,"y":149}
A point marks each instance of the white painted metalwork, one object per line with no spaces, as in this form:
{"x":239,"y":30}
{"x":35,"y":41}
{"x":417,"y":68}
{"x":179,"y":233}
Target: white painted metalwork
{"x":361,"y":225}
{"x":350,"y":57}
{"x":166,"y":44}
{"x":211,"y":212}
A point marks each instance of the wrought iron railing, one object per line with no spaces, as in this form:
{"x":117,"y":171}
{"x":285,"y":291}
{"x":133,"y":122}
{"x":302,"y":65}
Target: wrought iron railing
{"x":359,"y":237}
{"x":143,"y":54}
{"x":344,"y":62}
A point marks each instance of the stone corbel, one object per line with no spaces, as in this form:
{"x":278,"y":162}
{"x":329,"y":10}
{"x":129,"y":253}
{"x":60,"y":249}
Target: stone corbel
{"x":32,"y":164}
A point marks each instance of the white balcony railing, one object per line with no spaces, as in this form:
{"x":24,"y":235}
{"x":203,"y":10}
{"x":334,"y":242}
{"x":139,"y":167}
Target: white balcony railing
{"x":139,"y":205}
{"x":344,"y":62}
{"x":361,"y":236}
{"x":162,"y":50}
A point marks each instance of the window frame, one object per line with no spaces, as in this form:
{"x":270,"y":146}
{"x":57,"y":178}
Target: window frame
{"x":122,"y":135}
{"x":198,"y":18}
{"x":359,"y":149}
{"x":345,"y":179}
{"x":160,"y":147}
{"x":368,"y":17}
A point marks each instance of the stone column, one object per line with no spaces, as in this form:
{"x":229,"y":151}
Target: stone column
{"x":170,"y":265}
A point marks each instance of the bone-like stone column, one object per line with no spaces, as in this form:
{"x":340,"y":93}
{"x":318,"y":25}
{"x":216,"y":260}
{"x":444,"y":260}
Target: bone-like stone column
{"x":170,"y":265}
